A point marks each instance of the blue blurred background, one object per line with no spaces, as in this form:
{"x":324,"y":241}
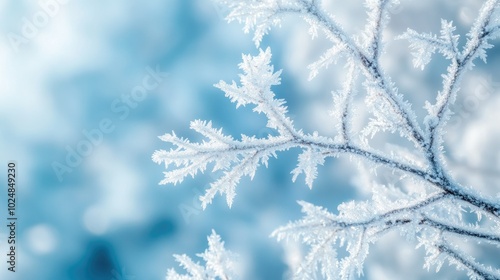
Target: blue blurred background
{"x":106,"y":217}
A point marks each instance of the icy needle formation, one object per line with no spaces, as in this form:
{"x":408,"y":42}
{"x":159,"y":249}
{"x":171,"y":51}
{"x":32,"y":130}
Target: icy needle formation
{"x":433,"y":216}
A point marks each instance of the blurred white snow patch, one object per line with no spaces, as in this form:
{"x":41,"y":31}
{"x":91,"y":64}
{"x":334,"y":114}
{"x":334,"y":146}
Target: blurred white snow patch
{"x":468,"y":12}
{"x":211,"y":10}
{"x":119,"y":185}
{"x":475,"y":147}
{"x":297,"y":52}
{"x":31,"y":97}
{"x":25,"y":89}
{"x":319,"y":118}
{"x":42,"y":239}
{"x":393,"y":257}
{"x":96,"y":220}
{"x":64,"y":39}
{"x":482,"y":134}
{"x":466,"y":15}
{"x":363,"y":180}
{"x":293,"y":256}
{"x":379,"y":272}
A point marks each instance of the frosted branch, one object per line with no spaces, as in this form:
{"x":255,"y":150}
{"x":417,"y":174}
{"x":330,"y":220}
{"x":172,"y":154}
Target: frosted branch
{"x":475,"y":47}
{"x":430,"y":214}
{"x":461,"y":231}
{"x":476,"y":270}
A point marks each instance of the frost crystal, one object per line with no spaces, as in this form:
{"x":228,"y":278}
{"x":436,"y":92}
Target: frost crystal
{"x":220,"y":264}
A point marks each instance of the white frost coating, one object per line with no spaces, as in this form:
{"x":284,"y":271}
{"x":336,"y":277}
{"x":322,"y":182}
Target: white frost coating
{"x":220,"y":263}
{"x":429,"y":211}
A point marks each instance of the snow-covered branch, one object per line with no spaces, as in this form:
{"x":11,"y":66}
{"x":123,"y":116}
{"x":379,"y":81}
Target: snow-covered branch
{"x":439,"y":253}
{"x":461,"y":231}
{"x":432,"y":215}
{"x":377,"y":20}
{"x":475,"y":47}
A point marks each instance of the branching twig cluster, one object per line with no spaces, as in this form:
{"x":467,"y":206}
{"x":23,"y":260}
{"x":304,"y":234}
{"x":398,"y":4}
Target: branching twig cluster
{"x":434,"y":215}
